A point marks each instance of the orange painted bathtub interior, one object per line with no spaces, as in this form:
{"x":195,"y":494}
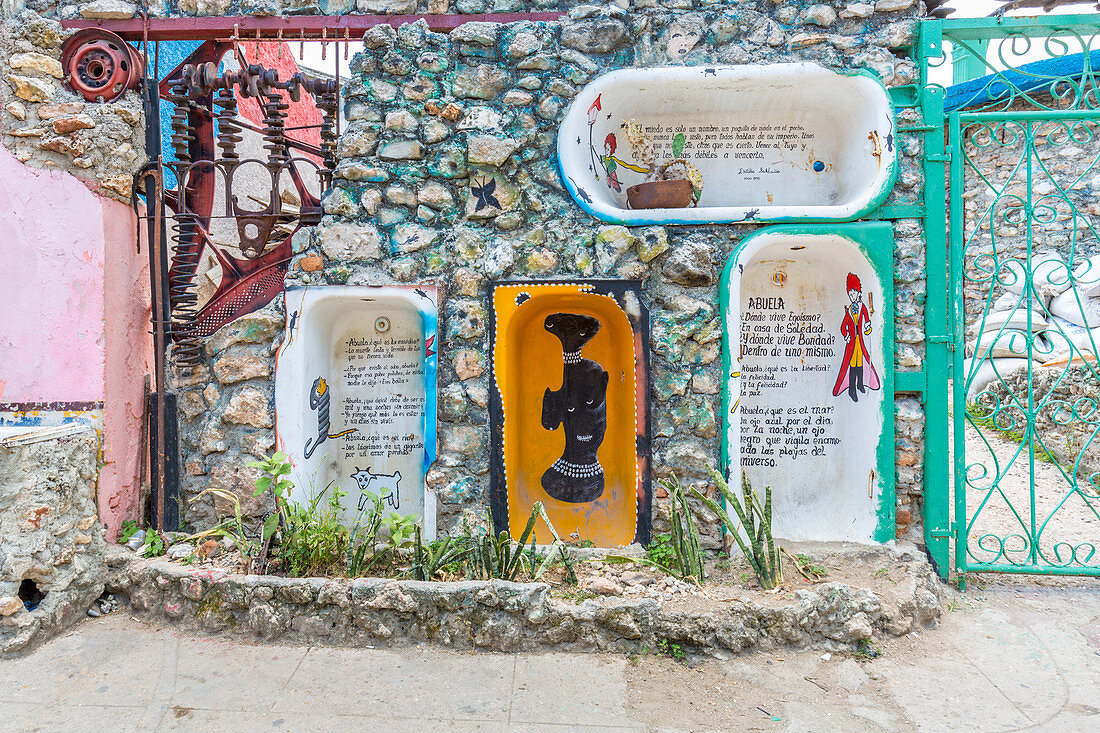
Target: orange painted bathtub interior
{"x":528,"y":361}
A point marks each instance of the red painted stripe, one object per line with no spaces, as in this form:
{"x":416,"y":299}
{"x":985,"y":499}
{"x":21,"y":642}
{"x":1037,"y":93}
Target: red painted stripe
{"x":293,"y":27}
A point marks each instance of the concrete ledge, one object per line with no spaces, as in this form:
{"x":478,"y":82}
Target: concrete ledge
{"x":504,"y":616}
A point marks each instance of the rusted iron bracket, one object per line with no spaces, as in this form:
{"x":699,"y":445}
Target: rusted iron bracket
{"x":288,"y":27}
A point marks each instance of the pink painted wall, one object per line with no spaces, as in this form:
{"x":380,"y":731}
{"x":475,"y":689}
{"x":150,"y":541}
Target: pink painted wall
{"x":51,"y":336}
{"x":128,"y":358}
{"x":69,"y":257}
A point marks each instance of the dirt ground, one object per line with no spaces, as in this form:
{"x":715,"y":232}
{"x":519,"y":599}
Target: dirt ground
{"x":999,"y":504}
{"x":1012,"y":653}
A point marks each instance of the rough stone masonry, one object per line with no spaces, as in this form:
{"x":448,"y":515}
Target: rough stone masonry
{"x":429,"y":113}
{"x":52,"y":548}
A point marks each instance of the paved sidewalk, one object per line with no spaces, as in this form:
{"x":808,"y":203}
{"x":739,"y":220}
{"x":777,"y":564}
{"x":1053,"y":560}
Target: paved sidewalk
{"x":1014,"y":655}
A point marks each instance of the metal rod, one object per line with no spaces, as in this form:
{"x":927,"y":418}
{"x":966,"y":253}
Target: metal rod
{"x":309,"y":27}
{"x":956,"y":321}
{"x":336,"y":63}
{"x":160,"y":450}
{"x":937,"y":317}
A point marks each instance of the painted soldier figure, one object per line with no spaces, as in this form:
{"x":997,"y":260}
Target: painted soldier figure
{"x":857,"y":373}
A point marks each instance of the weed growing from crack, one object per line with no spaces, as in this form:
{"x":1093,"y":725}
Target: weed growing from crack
{"x":675,"y":651}
{"x":866,"y":651}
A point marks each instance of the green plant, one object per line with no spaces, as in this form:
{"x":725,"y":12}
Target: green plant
{"x":232,"y":527}
{"x":756,"y":521}
{"x":806,"y":566}
{"x":685,"y":536}
{"x":401,"y":529}
{"x":865,"y":651}
{"x":154,"y":544}
{"x":672,"y":650}
{"x":498,"y":555}
{"x":360,"y":553}
{"x":979,"y":416}
{"x":313,"y":540}
{"x":447,"y":553}
{"x":274,"y":467}
{"x":129,"y":529}
{"x":661,"y":553}
{"x":561,"y":551}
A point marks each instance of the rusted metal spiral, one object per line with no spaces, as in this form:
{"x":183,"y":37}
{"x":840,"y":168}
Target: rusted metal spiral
{"x":324,"y":95}
{"x":253,"y":281}
{"x":182,"y":134}
{"x":274,"y":122}
{"x":229,"y":130}
{"x":187,"y":348}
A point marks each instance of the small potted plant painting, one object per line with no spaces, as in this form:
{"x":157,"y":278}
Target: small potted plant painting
{"x":672,"y":184}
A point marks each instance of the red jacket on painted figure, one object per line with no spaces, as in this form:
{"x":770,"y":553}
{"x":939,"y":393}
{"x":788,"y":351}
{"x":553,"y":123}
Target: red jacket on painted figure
{"x":852,"y":331}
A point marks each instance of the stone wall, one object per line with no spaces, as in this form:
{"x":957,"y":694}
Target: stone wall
{"x":431,"y":113}
{"x":51,"y":545}
{"x":504,"y":616}
{"x":45,"y":124}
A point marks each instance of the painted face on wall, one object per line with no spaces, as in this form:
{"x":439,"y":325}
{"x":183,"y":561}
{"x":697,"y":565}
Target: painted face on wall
{"x":681,"y":38}
{"x":580,"y":408}
{"x":854,"y":295}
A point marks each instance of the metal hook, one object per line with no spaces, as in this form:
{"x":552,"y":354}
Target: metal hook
{"x":302,"y":44}
{"x":324,"y":41}
{"x":279,"y":54}
{"x":347,"y":38}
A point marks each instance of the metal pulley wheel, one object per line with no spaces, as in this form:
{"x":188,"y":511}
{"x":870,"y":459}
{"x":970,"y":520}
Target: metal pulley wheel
{"x":100,"y":64}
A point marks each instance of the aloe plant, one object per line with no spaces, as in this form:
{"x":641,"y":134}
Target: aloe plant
{"x":499,"y":556}
{"x":755,"y":521}
{"x":685,"y":535}
{"x":429,"y":558}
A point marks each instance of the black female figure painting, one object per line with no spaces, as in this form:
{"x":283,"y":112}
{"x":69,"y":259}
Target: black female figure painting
{"x":580,"y":406}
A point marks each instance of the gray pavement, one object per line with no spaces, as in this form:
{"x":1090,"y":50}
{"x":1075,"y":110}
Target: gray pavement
{"x":1013,"y":655}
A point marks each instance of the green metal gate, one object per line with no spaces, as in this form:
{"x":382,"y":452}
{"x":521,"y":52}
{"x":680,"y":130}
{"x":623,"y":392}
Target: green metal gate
{"x":1022,"y":291}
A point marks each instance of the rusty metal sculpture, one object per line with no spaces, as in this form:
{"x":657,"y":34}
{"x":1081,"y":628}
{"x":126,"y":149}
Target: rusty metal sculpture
{"x":264,"y":233}
{"x":98,"y":63}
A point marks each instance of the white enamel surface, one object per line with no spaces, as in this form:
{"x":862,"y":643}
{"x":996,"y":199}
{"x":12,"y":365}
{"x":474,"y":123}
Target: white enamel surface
{"x":832,"y":496}
{"x":844,"y":120}
{"x":380,"y":386}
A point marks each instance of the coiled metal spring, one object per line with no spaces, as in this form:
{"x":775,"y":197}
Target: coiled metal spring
{"x":186,"y":250}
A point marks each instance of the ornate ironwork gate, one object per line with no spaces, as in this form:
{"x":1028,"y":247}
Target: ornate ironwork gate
{"x":1023,"y":145}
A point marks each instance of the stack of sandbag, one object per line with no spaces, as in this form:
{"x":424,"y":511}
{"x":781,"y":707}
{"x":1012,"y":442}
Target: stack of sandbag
{"x":1028,"y":326}
{"x":1073,"y":328}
